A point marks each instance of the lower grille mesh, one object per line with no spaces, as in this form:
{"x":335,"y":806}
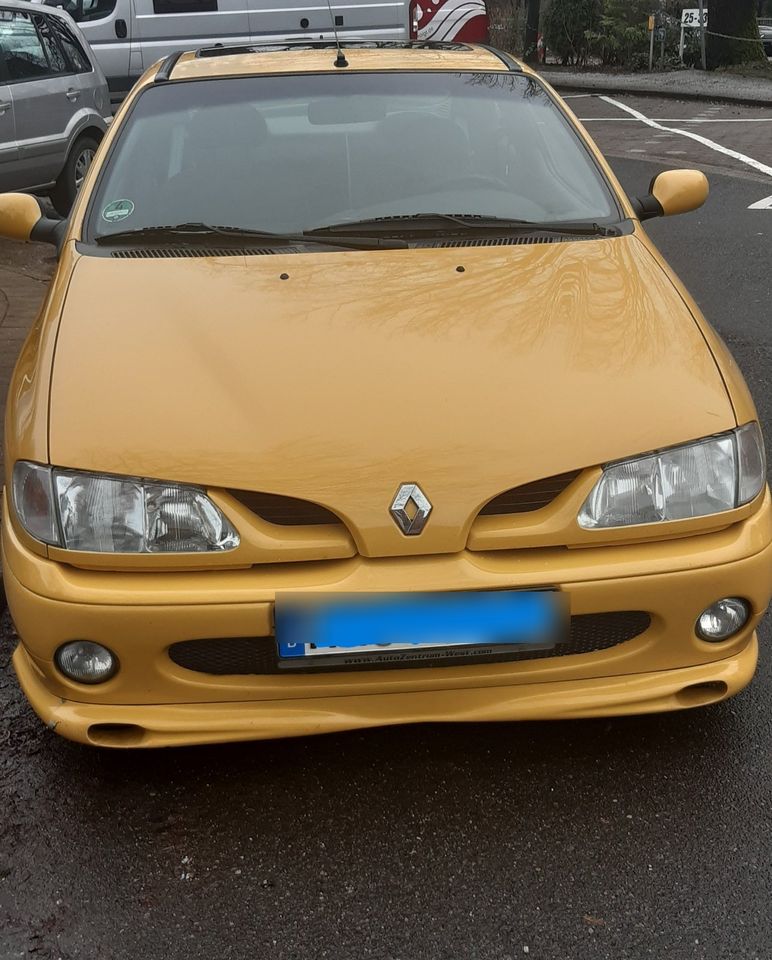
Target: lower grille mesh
{"x":257,"y":655}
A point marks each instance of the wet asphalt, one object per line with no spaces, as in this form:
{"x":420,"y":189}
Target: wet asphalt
{"x":628,"y":838}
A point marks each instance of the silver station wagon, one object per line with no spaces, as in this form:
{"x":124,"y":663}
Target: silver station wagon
{"x":54,"y":102}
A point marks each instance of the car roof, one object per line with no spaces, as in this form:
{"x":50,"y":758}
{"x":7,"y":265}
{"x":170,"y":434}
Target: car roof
{"x":26,"y":7}
{"x":320,"y":58}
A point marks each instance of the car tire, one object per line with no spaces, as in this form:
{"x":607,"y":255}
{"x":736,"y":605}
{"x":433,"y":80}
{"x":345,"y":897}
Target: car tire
{"x":69,"y":181}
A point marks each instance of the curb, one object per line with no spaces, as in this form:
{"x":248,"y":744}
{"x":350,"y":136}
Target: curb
{"x":664,"y":94}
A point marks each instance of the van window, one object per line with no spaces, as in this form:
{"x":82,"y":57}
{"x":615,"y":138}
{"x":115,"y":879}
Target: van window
{"x":184,"y":6}
{"x":85,"y":10}
{"x":25,"y":58}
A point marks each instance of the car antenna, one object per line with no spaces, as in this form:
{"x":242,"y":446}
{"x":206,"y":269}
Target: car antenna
{"x":340,"y":60}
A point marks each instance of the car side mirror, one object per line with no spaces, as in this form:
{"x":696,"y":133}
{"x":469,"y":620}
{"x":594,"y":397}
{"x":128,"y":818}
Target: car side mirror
{"x":672,"y":192}
{"x":22,"y":219}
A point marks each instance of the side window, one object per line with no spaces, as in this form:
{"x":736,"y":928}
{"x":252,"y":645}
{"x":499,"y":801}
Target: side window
{"x":56,"y":58}
{"x":85,"y":10}
{"x":71,"y":46}
{"x":184,"y":6}
{"x":25,"y":58}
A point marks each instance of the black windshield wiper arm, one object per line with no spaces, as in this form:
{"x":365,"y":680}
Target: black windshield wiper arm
{"x":197,"y":230}
{"x":435,"y":222}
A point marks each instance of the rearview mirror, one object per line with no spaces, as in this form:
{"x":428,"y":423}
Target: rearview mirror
{"x":21,"y":219}
{"x":672,"y":192}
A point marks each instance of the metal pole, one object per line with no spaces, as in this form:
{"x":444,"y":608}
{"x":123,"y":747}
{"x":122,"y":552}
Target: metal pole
{"x":702,"y":34}
{"x":681,"y":45}
{"x":651,"y":46}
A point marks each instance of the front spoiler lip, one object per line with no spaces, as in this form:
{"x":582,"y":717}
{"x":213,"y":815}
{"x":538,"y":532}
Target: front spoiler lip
{"x":200,"y":723}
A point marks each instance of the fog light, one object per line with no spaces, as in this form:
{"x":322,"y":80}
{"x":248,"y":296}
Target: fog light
{"x":723,"y":619}
{"x":86,"y":662}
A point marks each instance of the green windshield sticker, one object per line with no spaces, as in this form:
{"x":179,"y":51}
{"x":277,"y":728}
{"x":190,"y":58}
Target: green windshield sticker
{"x":117,"y":210}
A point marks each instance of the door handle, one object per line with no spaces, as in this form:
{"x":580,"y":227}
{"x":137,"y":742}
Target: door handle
{"x":72,"y":95}
{"x":4,"y":107}
{"x":120,"y":29}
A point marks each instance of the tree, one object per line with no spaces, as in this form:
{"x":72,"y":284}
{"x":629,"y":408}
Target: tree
{"x":530,"y":51}
{"x":567,"y":26}
{"x":733,"y":18}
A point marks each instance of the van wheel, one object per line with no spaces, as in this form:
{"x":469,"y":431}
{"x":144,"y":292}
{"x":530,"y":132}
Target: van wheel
{"x":70,"y":179}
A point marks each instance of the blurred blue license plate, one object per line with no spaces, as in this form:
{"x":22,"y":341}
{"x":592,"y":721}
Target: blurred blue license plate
{"x":390,"y":629}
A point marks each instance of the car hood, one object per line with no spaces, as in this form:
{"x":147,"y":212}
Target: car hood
{"x":336,"y":377}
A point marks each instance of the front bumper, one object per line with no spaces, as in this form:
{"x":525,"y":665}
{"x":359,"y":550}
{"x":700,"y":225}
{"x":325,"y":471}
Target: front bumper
{"x":196,"y":723}
{"x":153,"y":701}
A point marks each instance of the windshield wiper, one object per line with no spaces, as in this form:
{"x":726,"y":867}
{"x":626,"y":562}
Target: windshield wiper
{"x":437,"y":222}
{"x":196,"y":230}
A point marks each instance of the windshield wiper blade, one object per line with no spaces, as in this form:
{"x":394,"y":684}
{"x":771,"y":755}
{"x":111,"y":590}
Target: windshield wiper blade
{"x":435,"y":222}
{"x":196,"y":230}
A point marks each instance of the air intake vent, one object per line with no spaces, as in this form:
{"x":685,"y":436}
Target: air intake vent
{"x":164,"y":253}
{"x":515,"y":241}
{"x":589,"y":633}
{"x":531,"y":496}
{"x":286,"y":511}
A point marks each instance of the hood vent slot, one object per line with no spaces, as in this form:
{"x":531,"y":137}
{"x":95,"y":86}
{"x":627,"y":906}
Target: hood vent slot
{"x":285,"y":511}
{"x":531,"y":496}
{"x":168,"y":253}
{"x":515,"y":241}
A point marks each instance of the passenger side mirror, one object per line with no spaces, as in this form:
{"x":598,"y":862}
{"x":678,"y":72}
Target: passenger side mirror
{"x":21,"y":219}
{"x":672,"y":192}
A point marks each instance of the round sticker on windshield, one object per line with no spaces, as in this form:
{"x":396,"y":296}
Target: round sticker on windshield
{"x":117,"y":210}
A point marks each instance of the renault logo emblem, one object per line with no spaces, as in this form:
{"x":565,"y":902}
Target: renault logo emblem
{"x":410,"y":509}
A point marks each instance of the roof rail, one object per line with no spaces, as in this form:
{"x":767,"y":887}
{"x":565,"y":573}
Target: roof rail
{"x":511,"y":63}
{"x":275,"y":46}
{"x":167,"y":65}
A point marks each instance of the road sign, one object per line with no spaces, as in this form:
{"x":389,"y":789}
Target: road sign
{"x":659,"y":34}
{"x":691,"y":18}
{"x":651,"y":22}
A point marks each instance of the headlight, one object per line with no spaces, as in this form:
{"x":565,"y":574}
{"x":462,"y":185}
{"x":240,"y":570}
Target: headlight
{"x":693,"y":480}
{"x":107,"y":514}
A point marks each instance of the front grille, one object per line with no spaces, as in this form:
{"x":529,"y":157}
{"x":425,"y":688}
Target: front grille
{"x":589,"y":633}
{"x":286,"y":511}
{"x":530,"y":496}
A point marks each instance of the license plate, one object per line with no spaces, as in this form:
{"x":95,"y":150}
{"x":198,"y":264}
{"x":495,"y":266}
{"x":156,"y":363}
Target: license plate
{"x":422,"y":628}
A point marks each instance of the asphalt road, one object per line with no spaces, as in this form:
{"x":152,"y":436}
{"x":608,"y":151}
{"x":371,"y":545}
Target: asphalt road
{"x":630,"y":838}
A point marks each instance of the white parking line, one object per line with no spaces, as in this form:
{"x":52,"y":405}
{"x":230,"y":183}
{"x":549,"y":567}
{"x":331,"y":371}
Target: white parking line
{"x":678,"y":120}
{"x":765,"y":204}
{"x":756,"y":164}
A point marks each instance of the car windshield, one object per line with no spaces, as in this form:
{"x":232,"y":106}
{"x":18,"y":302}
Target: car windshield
{"x":296,"y":153}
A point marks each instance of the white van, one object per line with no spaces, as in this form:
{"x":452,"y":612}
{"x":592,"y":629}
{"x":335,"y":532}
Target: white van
{"x":127,"y":36}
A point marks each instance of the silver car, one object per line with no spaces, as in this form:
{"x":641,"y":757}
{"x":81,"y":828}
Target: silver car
{"x":54,"y":102}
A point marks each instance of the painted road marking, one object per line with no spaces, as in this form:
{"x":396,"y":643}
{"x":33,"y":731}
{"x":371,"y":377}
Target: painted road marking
{"x":765,"y":204}
{"x":756,"y":164}
{"x":678,"y":120}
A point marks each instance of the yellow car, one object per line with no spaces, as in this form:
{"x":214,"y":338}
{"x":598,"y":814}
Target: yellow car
{"x":361,"y":397}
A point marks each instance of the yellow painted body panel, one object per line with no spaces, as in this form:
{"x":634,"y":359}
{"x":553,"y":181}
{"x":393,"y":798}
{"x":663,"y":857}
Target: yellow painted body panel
{"x":467,"y":381}
{"x":534,"y":361}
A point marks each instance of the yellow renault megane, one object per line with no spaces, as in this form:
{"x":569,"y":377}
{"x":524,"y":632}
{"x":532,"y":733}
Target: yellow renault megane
{"x":361,"y":397}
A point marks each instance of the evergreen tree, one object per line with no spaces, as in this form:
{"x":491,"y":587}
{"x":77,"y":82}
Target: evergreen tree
{"x":733,"y":18}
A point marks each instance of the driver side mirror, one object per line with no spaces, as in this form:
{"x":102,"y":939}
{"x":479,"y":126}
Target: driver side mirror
{"x":672,"y":192}
{"x":21,"y":219}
